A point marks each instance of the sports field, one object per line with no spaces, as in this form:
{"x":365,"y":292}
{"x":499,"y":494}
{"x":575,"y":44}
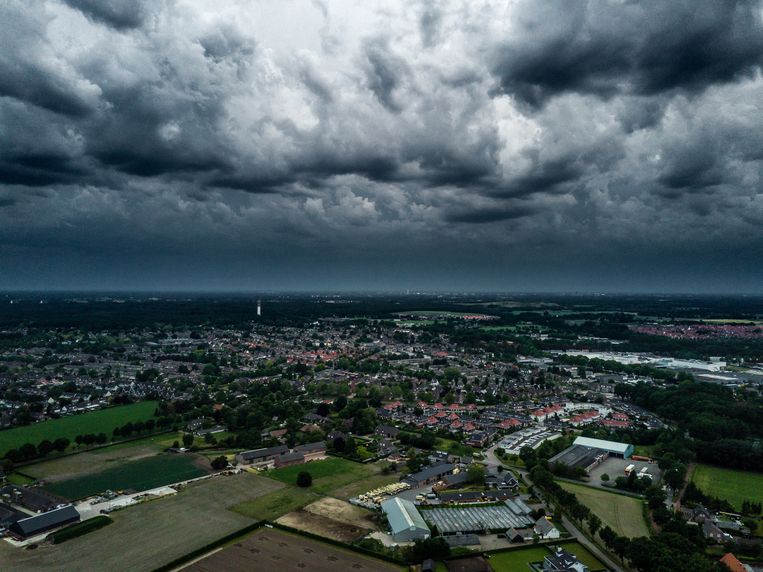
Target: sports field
{"x":622,"y":513}
{"x":139,"y":475}
{"x":729,"y":484}
{"x":102,"y":421}
{"x":151,"y":534}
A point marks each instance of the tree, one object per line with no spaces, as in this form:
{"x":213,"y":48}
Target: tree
{"x":434,"y":548}
{"x":187,"y":440}
{"x":476,"y":473}
{"x":44,"y":447}
{"x":219,"y":463}
{"x":61,"y":444}
{"x":594,"y":523}
{"x":339,"y":444}
{"x":304,"y":479}
{"x":28,"y":451}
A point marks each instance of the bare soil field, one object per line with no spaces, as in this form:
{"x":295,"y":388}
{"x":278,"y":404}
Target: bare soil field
{"x":270,"y":549}
{"x":332,"y":518}
{"x":149,"y":535}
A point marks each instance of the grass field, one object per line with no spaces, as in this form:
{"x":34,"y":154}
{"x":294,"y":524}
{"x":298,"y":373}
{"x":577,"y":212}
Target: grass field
{"x":729,"y":484}
{"x":89,"y":462}
{"x":623,"y":514}
{"x":137,"y":475}
{"x":151,"y":534}
{"x":276,"y":504}
{"x":102,"y":421}
{"x":334,"y":476}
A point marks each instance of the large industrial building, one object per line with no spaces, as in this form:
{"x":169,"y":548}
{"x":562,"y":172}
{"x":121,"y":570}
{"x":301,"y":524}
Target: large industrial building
{"x":405,"y":521}
{"x":615,"y":449}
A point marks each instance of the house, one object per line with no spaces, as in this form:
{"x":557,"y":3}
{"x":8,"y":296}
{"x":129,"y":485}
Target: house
{"x":715,"y":534}
{"x":733,"y":564}
{"x":561,"y":560}
{"x":311,"y":451}
{"x":545,"y":529}
{"x":289,"y":459}
{"x":387,"y":431}
{"x":40,"y":523}
{"x":261,"y":456}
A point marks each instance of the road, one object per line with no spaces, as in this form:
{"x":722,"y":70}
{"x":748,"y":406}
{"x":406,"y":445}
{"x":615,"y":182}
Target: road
{"x":592,"y":548}
{"x":492,"y":460}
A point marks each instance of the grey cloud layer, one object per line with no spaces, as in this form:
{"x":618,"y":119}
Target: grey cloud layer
{"x":273,"y":131}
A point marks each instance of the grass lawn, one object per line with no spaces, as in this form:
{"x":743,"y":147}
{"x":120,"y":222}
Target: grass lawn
{"x":332,"y":476}
{"x":623,"y":514}
{"x":518,"y":559}
{"x":151,"y":534}
{"x":19,"y":479}
{"x":138,"y":475}
{"x":584,"y":556}
{"x":102,"y":421}
{"x":276,"y":504}
{"x":729,"y":484}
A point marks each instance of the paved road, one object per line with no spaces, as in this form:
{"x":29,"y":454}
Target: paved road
{"x":592,"y":548}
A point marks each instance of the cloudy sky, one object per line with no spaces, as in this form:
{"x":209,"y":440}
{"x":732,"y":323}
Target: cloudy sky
{"x":514,"y":146}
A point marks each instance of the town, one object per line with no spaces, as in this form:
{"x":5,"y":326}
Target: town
{"x":470,"y":440}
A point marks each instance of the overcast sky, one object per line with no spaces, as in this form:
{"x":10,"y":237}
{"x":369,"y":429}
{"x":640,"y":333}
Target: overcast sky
{"x":513,"y":146}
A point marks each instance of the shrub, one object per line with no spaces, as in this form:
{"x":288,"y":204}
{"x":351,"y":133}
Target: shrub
{"x":304,"y":479}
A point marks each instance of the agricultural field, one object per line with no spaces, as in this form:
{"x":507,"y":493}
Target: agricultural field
{"x":732,"y":485}
{"x":89,"y":462}
{"x":334,"y":476}
{"x":102,"y":421}
{"x":137,"y":475}
{"x":277,"y":503}
{"x":151,"y":534}
{"x":622,"y":513}
{"x":269,"y":549}
{"x":332,"y":518}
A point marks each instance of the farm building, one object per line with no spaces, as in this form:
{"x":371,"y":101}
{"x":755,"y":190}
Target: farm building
{"x":405,"y":521}
{"x":624,"y":450}
{"x":264,"y":455}
{"x":40,"y":523}
{"x":311,"y":451}
{"x":429,"y":475}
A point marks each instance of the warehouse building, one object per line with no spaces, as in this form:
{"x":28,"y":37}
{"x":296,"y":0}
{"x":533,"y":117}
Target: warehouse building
{"x":405,"y":521}
{"x":615,"y":449}
{"x":40,"y":523}
{"x":580,"y":457}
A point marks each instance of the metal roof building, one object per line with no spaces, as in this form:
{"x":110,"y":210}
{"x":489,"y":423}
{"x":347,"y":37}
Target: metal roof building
{"x":623,"y":450}
{"x":405,"y":520}
{"x":42,"y":522}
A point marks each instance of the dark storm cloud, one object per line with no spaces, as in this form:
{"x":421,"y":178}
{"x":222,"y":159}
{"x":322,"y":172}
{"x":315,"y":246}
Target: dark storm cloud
{"x":120,"y":14}
{"x":488,"y":215}
{"x":234,"y":141}
{"x":384,"y":72}
{"x":605,"y":48}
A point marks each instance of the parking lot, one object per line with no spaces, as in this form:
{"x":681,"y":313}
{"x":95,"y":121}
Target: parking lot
{"x":615,"y":467}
